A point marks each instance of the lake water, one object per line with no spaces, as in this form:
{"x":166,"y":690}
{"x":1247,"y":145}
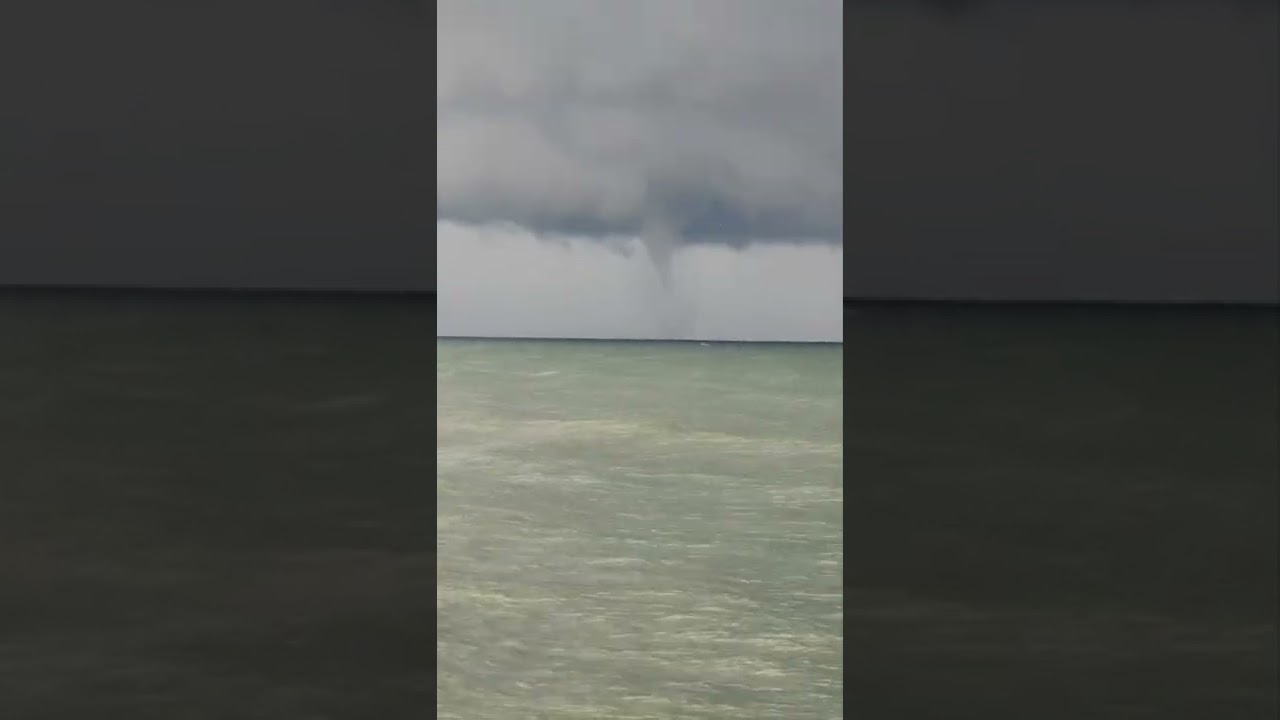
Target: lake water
{"x":638,"y":530}
{"x":215,"y":508}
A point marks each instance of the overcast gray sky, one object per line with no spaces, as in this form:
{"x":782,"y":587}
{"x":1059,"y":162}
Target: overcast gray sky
{"x":642,"y":156}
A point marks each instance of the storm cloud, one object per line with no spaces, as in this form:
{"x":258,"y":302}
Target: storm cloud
{"x":504,"y":281}
{"x":717,"y":120}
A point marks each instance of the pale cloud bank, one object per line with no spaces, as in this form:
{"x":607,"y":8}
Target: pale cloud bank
{"x":503,"y":281}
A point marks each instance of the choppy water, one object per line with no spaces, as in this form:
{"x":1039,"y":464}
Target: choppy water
{"x":634,"y":530}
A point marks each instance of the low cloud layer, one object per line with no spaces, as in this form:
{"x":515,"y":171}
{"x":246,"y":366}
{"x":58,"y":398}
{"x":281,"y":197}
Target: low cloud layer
{"x":503,"y":281}
{"x":716,"y":120}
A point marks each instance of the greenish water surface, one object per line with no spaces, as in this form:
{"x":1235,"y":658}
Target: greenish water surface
{"x":639,"y":530}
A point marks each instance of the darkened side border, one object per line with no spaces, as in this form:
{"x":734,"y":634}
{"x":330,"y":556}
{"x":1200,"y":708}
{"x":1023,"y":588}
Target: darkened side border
{"x":180,"y":295}
{"x":868,"y":303}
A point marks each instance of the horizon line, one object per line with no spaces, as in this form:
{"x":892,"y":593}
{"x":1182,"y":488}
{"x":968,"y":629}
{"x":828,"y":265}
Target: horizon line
{"x":516,"y":338}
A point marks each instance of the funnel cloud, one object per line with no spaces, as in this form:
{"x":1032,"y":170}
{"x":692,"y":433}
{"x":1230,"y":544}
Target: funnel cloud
{"x":657,"y":126}
{"x":505,"y":281}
